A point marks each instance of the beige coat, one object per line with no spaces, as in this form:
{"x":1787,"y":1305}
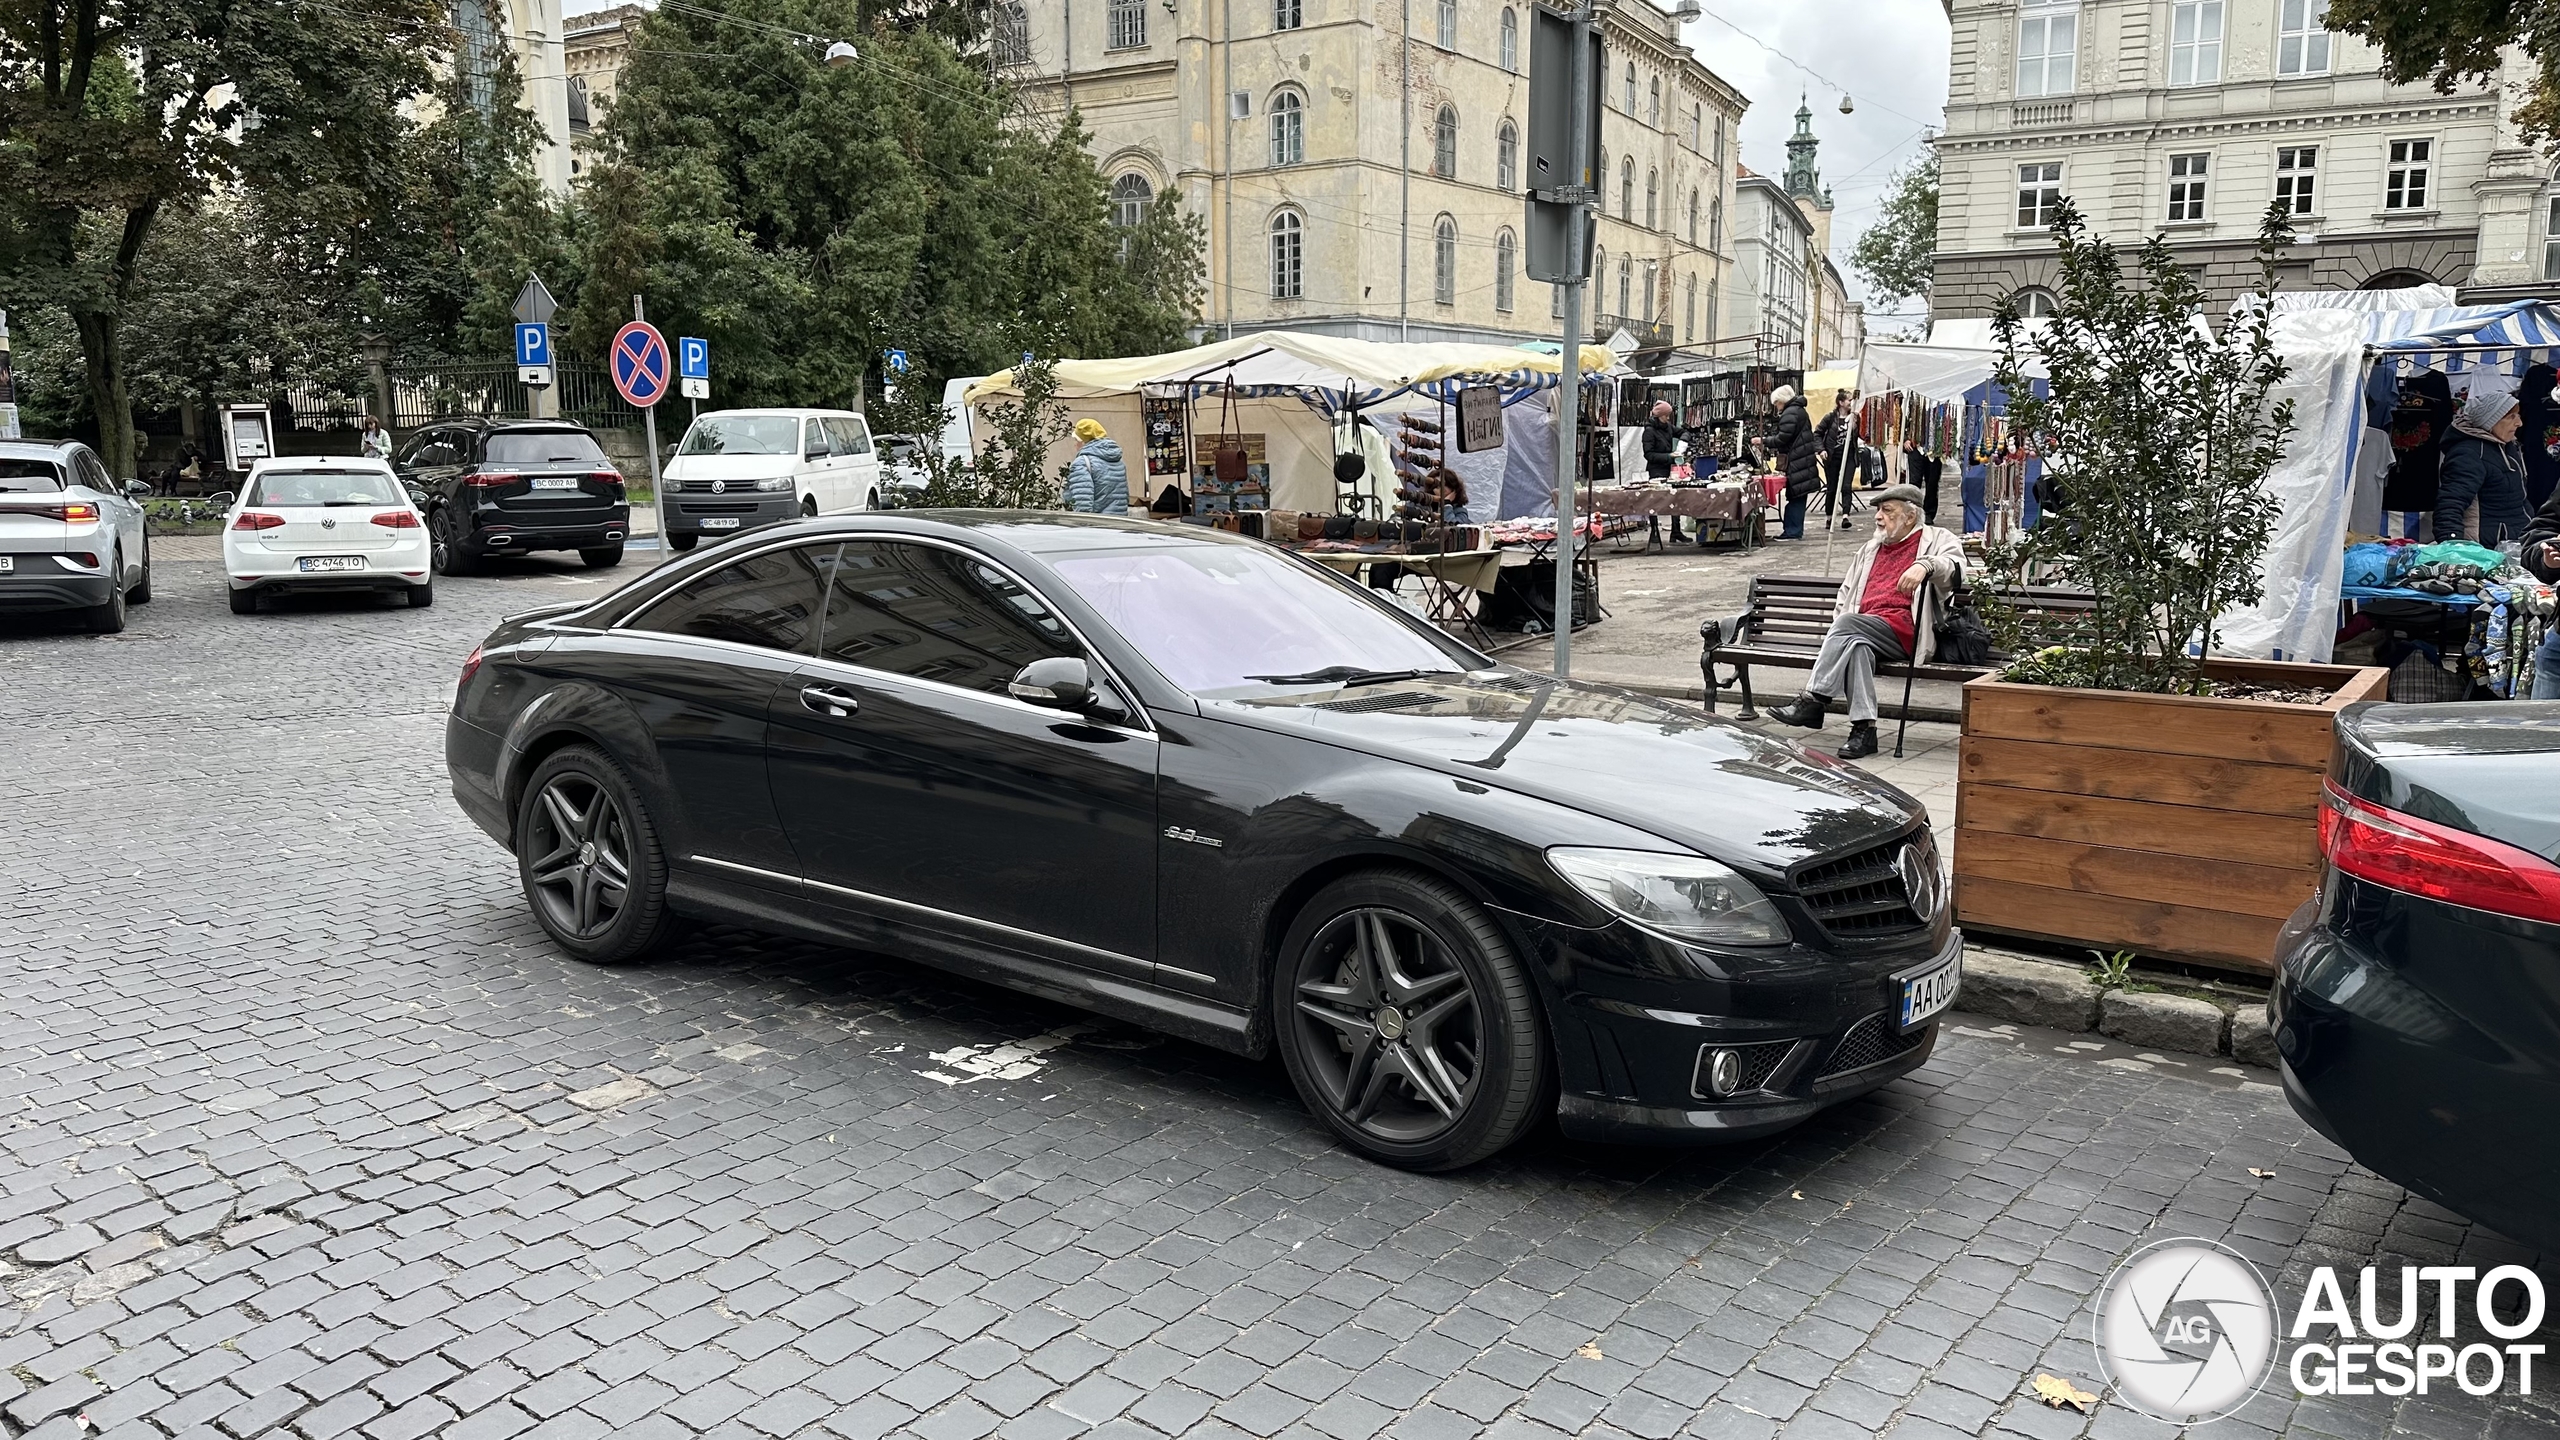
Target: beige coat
{"x":1941,"y":551}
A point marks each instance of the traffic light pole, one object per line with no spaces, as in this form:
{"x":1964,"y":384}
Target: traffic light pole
{"x":1569,"y":373}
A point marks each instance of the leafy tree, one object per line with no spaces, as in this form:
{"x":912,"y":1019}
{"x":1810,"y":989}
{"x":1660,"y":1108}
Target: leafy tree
{"x":1011,"y":469}
{"x":117,"y":114}
{"x":2160,"y":437}
{"x":1893,"y":255}
{"x":2449,"y":41}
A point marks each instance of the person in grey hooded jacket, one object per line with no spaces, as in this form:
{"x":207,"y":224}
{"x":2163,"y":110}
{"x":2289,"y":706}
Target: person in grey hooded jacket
{"x":1097,"y":479}
{"x":2482,"y":462}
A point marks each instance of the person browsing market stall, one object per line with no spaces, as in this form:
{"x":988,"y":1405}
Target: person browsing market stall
{"x":1876,"y":616}
{"x":2483,"y":462}
{"x":1661,"y":452}
{"x":1793,"y":447}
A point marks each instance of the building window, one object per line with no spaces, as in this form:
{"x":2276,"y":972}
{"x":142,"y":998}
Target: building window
{"x":2187,"y":175}
{"x":1717,"y":154}
{"x":2297,"y":166}
{"x":1627,"y":189}
{"x":1506,"y":259}
{"x":1715,"y":289}
{"x":2302,"y":37}
{"x":1626,"y":286}
{"x":1510,"y":52}
{"x":2048,"y":47}
{"x":1444,"y":261}
{"x":2033,"y":303}
{"x":2039,"y":194}
{"x":1128,"y":24}
{"x":2195,"y":42}
{"x":579,"y":121}
{"x":1652,"y":190}
{"x":1444,"y":143}
{"x":2551,"y":240}
{"x":1715,"y":224}
{"x":1288,"y":256}
{"x":1012,"y":34}
{"x":1697,"y":127}
{"x":1288,"y":14}
{"x":1448,"y":24}
{"x":1630,"y":103}
{"x":1506,"y":156}
{"x":1693,"y":217}
{"x":1288,"y":128}
{"x":1653,"y":106}
{"x":1689,"y":310}
{"x":1130,"y":197}
{"x":1648,"y":310}
{"x":2404,"y":184}
{"x":1600,"y":203}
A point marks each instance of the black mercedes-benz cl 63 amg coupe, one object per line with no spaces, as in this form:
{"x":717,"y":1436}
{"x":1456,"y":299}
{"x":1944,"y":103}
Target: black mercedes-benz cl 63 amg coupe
{"x":1197,"y":782}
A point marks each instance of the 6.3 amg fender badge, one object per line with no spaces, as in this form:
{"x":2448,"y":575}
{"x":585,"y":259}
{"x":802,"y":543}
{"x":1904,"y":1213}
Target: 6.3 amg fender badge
{"x":1193,"y":837}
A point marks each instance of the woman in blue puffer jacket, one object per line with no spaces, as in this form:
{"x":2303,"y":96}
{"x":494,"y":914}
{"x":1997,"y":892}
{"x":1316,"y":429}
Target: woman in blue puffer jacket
{"x":1097,"y":480}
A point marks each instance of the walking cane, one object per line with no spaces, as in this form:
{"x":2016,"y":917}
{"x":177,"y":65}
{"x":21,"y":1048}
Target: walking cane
{"x":1911,"y":671}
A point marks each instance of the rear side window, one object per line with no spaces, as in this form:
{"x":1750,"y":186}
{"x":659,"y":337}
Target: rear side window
{"x":92,"y":472}
{"x":850,"y":435}
{"x":544,"y":447}
{"x":24,"y":475}
{"x":285,"y":488}
{"x":932,"y":614}
{"x":769,"y":600}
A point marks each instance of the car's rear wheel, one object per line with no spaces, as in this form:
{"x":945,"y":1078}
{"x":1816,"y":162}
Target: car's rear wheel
{"x":140,"y":594}
{"x":244,"y":602}
{"x":1408,"y":1023}
{"x":589,"y":860}
{"x":444,"y":534}
{"x":107,"y":616}
{"x":422,"y":596}
{"x":602,"y":557}
{"x":682,"y":543}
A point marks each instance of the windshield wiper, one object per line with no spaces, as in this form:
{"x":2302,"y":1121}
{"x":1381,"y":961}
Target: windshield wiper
{"x":1348,"y":676}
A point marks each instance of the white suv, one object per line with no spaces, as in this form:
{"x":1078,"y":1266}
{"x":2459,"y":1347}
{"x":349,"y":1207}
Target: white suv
{"x":738,"y":469}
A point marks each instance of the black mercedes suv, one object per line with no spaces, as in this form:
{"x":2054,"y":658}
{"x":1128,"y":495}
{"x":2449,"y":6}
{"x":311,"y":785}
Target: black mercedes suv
{"x":505,"y":487}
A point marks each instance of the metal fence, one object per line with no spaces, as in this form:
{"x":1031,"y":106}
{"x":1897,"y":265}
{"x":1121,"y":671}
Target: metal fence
{"x":421,"y":393}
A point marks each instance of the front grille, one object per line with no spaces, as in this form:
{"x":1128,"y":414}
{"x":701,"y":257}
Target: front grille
{"x":1363,"y":704}
{"x":1871,"y":1041}
{"x":717,"y":507}
{"x":1759,"y":1063}
{"x":1860,"y":896}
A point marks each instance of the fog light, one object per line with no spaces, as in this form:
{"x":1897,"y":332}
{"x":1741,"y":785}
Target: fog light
{"x":1724,"y":1073}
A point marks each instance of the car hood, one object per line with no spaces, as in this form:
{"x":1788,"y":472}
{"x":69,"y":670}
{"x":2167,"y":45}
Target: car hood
{"x":2486,"y":768}
{"x":730,"y":467}
{"x":1665,"y":768}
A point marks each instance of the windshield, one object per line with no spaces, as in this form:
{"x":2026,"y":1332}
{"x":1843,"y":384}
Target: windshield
{"x":286,"y":488}
{"x":22,"y":476}
{"x":743,"y":435}
{"x":1213,"y":616}
{"x":545,"y":447}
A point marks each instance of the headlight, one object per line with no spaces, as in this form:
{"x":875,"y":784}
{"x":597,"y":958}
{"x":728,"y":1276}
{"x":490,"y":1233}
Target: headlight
{"x":778,"y":482}
{"x":1687,"y":897}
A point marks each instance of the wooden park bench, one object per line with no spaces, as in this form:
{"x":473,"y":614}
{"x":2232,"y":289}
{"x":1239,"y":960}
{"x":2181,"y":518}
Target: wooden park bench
{"x":1789,"y":615}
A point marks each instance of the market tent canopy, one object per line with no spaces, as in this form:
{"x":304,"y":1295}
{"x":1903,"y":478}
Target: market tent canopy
{"x":1822,"y":389}
{"x":1285,"y":361}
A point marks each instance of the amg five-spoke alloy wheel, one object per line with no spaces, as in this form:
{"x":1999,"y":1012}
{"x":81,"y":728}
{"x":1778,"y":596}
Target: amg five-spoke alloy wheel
{"x":1407,"y":1022}
{"x":589,"y":858}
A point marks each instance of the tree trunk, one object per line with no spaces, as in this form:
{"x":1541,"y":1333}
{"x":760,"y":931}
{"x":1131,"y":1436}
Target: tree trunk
{"x":102,"y":349}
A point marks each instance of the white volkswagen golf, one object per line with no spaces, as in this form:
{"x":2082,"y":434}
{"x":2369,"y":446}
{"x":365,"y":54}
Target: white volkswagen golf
{"x":325,"y":522}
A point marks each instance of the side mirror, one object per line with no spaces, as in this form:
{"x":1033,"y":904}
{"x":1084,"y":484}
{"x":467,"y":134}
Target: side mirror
{"x":1060,"y":682}
{"x":137,"y":489}
{"x":814,"y":452}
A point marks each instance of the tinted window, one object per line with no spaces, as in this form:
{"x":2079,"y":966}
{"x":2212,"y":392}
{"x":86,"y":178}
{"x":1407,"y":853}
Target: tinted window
{"x":813,"y":439}
{"x":741,"y":435}
{"x":768,"y":600}
{"x":545,"y":447}
{"x":23,"y":475}
{"x":282,"y":487}
{"x":849,"y":434}
{"x":92,"y":473}
{"x":933,"y":614}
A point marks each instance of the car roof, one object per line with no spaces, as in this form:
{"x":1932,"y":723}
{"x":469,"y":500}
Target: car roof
{"x":1039,"y":532}
{"x":796,"y":412}
{"x":47,"y":449}
{"x":320,"y":462}
{"x":474,"y":422}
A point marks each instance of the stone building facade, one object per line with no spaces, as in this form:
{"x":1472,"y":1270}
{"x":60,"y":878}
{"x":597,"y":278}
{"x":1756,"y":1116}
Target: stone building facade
{"x":597,"y":46}
{"x":2187,"y":117}
{"x":1358,"y":163}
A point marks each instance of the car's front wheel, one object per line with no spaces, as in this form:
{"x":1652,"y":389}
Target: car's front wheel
{"x":1408,"y":1022}
{"x":682,"y":542}
{"x":589,"y":858}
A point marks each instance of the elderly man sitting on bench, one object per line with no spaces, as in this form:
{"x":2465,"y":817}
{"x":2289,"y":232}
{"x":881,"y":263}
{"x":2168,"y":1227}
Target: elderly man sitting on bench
{"x":1874,"y":618}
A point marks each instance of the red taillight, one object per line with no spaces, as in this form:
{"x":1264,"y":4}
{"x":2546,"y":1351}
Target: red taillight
{"x":397,"y":520}
{"x":485,"y":482}
{"x":470,"y":666}
{"x":252,"y":520}
{"x":2419,"y":857}
{"x":70,"y":512}
{"x":605,"y":477}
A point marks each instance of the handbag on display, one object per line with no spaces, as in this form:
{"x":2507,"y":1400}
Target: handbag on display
{"x":1229,"y":462}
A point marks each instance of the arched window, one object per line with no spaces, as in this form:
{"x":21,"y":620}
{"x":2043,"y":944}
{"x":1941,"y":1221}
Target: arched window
{"x":2034,"y":301}
{"x":1689,"y":310}
{"x":1652,"y":192}
{"x":1288,"y":127}
{"x":1693,"y":217}
{"x":1653,"y":107}
{"x":1630,"y":104}
{"x":1713,"y":288}
{"x":1288,"y":14}
{"x":1012,"y":33}
{"x":1600,"y":179}
{"x":2551,"y":229}
{"x":1627,"y":188}
{"x":1715,"y":224}
{"x":1444,"y":261}
{"x":1599,"y":276}
{"x":579,"y":124}
{"x":1506,"y":156}
{"x":1697,"y":121}
{"x":2397,"y":280}
{"x":1510,"y":53}
{"x":1626,"y":286}
{"x":1130,"y":197}
{"x":1288,"y":255}
{"x":1444,"y":143}
{"x":1448,"y":24}
{"x":1506,"y":260}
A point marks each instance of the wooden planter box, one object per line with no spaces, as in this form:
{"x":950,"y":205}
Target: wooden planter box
{"x":2177,"y":826}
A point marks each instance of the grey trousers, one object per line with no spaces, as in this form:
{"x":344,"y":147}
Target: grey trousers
{"x":1847,"y":665}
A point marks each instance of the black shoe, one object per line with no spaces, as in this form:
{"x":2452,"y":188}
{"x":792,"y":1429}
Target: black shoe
{"x":1862,"y":740}
{"x":1806,"y":713}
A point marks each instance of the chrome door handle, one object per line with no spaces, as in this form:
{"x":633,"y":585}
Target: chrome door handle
{"x":828,"y":700}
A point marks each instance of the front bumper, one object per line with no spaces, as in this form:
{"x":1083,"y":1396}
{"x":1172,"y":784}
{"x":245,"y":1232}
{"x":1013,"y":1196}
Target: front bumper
{"x":690,"y":512}
{"x":1637,"y":1017}
{"x":53,"y":587}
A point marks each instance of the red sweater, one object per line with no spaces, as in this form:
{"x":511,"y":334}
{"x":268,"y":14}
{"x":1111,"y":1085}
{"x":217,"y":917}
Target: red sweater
{"x":1885,"y":602}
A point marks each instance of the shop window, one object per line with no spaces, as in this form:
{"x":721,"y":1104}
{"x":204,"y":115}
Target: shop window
{"x":2297,"y":171}
{"x":2195,"y":42}
{"x":2302,"y":37}
{"x":2404,"y":182}
{"x":1444,"y":261}
{"x":2048,"y":48}
{"x":1288,"y":256}
{"x":2187,"y":176}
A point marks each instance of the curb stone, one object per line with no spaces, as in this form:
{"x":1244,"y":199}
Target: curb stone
{"x":2163,"y":1022}
{"x":2056,"y":995}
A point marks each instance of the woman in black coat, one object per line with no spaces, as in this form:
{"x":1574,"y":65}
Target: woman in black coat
{"x":2483,"y":463}
{"x":1793,"y":437}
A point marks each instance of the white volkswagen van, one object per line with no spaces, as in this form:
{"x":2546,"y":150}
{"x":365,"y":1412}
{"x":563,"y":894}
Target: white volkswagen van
{"x":738,"y":469}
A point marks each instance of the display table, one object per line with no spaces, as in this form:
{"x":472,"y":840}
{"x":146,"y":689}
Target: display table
{"x":2510,"y":620}
{"x":1446,"y":575}
{"x":1736,"y":506}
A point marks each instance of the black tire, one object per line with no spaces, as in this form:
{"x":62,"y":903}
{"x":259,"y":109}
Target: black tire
{"x":808,"y":507}
{"x":580,"y":824}
{"x":244,"y":602}
{"x":422,"y":596}
{"x":871,"y":501}
{"x":444,"y":533}
{"x":140,"y":594}
{"x":1454,"y":1015}
{"x":682,"y":543}
{"x":107,"y":616}
{"x":603,"y":557}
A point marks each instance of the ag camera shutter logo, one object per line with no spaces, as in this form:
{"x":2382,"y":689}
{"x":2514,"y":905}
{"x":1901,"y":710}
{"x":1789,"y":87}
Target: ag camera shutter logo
{"x":2186,"y":1331}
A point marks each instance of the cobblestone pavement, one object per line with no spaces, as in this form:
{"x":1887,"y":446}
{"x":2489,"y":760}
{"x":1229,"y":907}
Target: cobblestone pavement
{"x":304,"y":1130}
